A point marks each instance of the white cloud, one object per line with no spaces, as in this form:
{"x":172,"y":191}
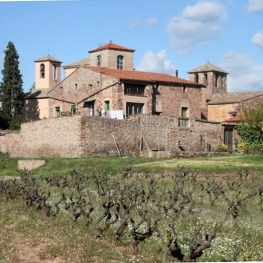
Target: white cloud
{"x":196,"y":24}
{"x":151,"y":22}
{"x":156,"y":63}
{"x":245,"y":74}
{"x":134,"y":24}
{"x":257,"y":39}
{"x":254,"y":6}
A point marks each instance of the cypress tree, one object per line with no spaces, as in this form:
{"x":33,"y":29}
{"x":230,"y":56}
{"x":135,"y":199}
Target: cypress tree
{"x":11,"y":91}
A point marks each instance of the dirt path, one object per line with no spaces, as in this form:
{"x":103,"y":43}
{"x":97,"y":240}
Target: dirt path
{"x":24,"y":252}
{"x":189,"y":161}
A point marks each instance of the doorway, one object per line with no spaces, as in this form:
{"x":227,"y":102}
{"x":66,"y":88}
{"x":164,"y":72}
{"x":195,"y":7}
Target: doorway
{"x":228,"y":139}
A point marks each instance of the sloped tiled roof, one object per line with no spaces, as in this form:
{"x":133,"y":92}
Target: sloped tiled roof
{"x":133,"y":75}
{"x":37,"y":93}
{"x":78,"y":63}
{"x":233,"y":119}
{"x":206,"y":68}
{"x":47,"y":58}
{"x":235,"y":97}
{"x":111,"y":46}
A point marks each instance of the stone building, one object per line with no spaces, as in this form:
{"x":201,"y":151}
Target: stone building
{"x":105,"y":84}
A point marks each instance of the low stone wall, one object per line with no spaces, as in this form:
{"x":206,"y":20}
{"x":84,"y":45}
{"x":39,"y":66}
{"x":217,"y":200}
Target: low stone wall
{"x":44,"y":138}
{"x":83,"y":136}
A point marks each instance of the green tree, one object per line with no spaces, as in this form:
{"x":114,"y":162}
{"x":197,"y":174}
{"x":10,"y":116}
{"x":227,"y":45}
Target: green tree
{"x":11,"y":91}
{"x":251,"y":126}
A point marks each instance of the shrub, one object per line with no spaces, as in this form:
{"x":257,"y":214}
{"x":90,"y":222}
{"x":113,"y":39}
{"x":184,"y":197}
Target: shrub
{"x":222,"y":148}
{"x":241,"y":146}
{"x":4,"y":154}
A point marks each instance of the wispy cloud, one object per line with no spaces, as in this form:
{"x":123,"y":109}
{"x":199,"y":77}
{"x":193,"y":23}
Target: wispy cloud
{"x":254,"y":6}
{"x":196,"y":24}
{"x":245,"y":73}
{"x":135,"y":23}
{"x":151,"y":22}
{"x":156,"y":63}
{"x":257,"y":39}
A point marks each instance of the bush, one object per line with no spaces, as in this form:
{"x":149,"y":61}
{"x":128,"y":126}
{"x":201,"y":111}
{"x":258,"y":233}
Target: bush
{"x":222,"y":148}
{"x":4,"y":154}
{"x":241,"y":146}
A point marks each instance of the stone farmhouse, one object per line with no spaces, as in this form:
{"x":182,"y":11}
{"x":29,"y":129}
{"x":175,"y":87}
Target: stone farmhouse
{"x":105,"y":106}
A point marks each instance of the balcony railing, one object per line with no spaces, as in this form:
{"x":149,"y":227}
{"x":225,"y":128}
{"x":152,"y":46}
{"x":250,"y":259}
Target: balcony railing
{"x":183,"y":122}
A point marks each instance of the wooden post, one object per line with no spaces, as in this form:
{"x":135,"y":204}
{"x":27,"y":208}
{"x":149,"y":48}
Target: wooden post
{"x":119,"y":152}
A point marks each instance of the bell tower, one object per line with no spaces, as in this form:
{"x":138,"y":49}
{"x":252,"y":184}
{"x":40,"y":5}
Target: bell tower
{"x":47,"y":72}
{"x":212,"y":77}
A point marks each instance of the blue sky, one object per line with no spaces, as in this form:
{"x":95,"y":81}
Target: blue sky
{"x":167,"y":35}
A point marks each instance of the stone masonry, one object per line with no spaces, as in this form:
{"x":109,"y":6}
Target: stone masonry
{"x":79,"y":136}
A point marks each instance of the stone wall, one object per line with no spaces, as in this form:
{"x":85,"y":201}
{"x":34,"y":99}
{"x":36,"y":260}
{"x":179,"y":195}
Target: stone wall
{"x":107,"y":136}
{"x":83,"y":136}
{"x":51,"y":138}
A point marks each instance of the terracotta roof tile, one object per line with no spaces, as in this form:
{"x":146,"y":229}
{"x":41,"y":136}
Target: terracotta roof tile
{"x":82,"y":62}
{"x":111,"y":46}
{"x":133,"y":75}
{"x":37,"y":93}
{"x":207,"y":67}
{"x":47,"y":58}
{"x":233,"y":119}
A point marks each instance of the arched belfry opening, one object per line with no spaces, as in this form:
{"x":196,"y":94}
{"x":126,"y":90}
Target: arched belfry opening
{"x":47,"y":72}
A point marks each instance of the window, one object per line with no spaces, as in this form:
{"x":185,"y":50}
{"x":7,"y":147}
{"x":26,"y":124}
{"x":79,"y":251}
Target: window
{"x":216,"y":80}
{"x":183,"y":120}
{"x":205,"y":82}
{"x":54,"y":72}
{"x":184,"y":112}
{"x":134,"y":89}
{"x":107,"y":105}
{"x":90,"y":105}
{"x":158,"y":106}
{"x":120,"y":62}
{"x":58,"y":112}
{"x":73,"y":109}
{"x":134,"y":108}
{"x":184,"y":88}
{"x":99,"y":60}
{"x":42,"y":71}
{"x":196,"y":78}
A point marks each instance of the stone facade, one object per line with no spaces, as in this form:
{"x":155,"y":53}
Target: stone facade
{"x":83,"y":136}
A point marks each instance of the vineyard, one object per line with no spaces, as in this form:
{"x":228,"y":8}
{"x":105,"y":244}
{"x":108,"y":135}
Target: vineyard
{"x":133,"y":217}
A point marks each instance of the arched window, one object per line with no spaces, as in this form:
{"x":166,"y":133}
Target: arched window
{"x":42,"y":71}
{"x":99,"y":60}
{"x":120,"y":62}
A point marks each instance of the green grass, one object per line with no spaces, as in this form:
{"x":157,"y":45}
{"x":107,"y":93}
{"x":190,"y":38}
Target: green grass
{"x":113,"y":165}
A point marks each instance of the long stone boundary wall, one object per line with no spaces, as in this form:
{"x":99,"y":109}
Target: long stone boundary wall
{"x":83,"y":136}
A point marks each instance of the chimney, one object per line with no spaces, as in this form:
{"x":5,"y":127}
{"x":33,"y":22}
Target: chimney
{"x":176,"y":73}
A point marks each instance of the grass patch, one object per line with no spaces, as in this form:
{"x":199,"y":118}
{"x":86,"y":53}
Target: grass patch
{"x":112,"y":165}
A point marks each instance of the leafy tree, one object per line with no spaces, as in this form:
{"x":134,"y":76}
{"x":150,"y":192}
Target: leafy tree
{"x":249,"y":134}
{"x":11,"y":91}
{"x":251,"y":126}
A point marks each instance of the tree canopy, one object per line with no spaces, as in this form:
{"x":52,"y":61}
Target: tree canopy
{"x":11,"y":91}
{"x":251,"y":126}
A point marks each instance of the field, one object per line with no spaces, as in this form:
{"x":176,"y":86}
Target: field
{"x":110,"y":209}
